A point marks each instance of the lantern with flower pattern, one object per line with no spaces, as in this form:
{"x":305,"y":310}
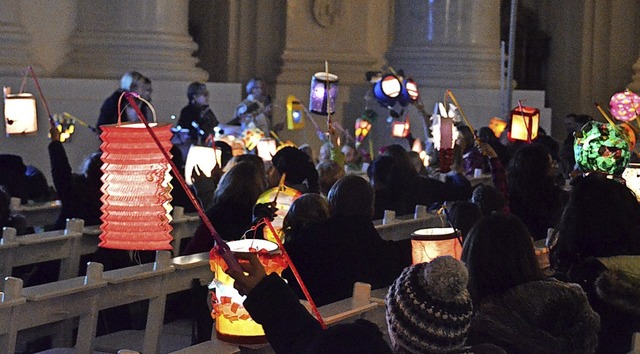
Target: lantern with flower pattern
{"x":624,"y":105}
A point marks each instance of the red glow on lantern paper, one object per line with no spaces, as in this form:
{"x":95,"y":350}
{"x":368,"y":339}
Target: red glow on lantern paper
{"x":136,"y":190}
{"x":624,"y":105}
{"x":427,"y":244}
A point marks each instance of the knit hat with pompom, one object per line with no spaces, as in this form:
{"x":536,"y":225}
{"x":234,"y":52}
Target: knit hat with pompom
{"x":428,"y":307}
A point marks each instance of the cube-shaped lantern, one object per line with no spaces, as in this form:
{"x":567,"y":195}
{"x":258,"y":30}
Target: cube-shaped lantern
{"x":401,"y":129}
{"x":524,"y":123}
{"x":323,"y":93}
{"x":20,"y":114}
{"x":427,"y":244}
{"x":295,"y":114}
{"x":136,"y":188}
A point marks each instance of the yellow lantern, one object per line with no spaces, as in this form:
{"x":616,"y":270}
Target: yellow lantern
{"x":427,"y":244}
{"x":497,"y":126}
{"x":284,"y":197}
{"x":295,"y":113}
{"x":233,"y":322}
{"x":524,"y":123}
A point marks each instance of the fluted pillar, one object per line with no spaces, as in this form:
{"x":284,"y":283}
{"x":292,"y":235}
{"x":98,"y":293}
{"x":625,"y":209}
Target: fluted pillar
{"x":14,"y":40}
{"x":115,"y":36}
{"x":635,"y":79}
{"x":448,"y":43}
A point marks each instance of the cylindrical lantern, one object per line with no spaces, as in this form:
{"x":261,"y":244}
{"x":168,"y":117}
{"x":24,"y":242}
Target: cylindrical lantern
{"x":267,"y":148}
{"x":285,"y":198}
{"x":206,"y":158}
{"x":20,"y":113}
{"x":324,"y":90}
{"x":427,"y":244}
{"x":409,"y":92}
{"x":136,"y":190}
{"x":524,"y":123}
{"x":233,"y":322}
{"x":624,"y":105}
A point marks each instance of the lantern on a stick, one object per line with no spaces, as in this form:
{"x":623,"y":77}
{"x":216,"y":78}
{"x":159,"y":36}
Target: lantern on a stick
{"x":136,"y":190}
{"x":20,"y":112}
{"x":323,"y":93}
{"x":524,"y":123}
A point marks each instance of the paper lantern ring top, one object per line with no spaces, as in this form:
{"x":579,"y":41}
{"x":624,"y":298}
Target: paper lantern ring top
{"x":323,"y":93}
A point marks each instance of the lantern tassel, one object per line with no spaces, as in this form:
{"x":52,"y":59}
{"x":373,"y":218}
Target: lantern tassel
{"x":294,"y":270}
{"x":222,"y":248}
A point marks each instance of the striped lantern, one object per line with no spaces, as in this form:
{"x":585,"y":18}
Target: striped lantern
{"x":136,"y":190}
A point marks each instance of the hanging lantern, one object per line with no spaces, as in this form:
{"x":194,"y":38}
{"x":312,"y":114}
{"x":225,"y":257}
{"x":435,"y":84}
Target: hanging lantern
{"x":602,"y":147}
{"x":409,"y":92}
{"x":524,"y":123}
{"x":233,"y":322}
{"x":20,"y":114}
{"x":284,"y":197}
{"x":267,"y":148}
{"x":624,"y":105}
{"x":401,"y":129}
{"x":387,"y":90}
{"x":324,"y":90}
{"x":362,"y":129}
{"x":206,"y":158}
{"x":295,"y":115}
{"x":136,"y":190}
{"x":497,"y":126}
{"x":427,"y":244}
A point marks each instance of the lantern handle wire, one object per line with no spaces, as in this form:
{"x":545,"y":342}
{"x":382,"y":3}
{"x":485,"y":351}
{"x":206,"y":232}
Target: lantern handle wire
{"x":222,"y":248}
{"x":448,"y":219}
{"x":294,"y":270}
{"x":133,"y":103}
{"x":39,"y":89}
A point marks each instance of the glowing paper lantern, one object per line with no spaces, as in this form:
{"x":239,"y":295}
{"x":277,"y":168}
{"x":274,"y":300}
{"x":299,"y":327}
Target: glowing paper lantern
{"x":601,"y":147}
{"x":497,"y":126}
{"x":362,"y":129}
{"x":401,"y":129}
{"x":524,"y":124}
{"x":410,"y":93}
{"x":427,"y":244}
{"x":624,"y":105}
{"x":233,"y":322}
{"x":267,"y":148}
{"x":136,"y":190}
{"x":323,"y":93}
{"x":631,"y":176}
{"x":251,"y":136}
{"x":206,"y":158}
{"x":20,"y":113}
{"x":295,"y":114}
{"x":285,"y":198}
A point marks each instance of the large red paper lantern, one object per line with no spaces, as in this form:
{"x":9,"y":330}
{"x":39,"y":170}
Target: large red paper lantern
{"x":136,"y":190}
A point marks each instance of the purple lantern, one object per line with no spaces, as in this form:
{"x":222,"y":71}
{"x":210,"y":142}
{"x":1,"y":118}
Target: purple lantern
{"x":324,"y":89}
{"x":624,"y":105}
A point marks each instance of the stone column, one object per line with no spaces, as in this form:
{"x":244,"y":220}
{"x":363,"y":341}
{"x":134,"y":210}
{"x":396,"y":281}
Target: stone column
{"x":453,"y":43}
{"x":14,"y":40}
{"x":115,"y":36}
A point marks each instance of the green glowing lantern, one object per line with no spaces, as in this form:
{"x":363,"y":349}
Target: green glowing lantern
{"x":602,"y":147}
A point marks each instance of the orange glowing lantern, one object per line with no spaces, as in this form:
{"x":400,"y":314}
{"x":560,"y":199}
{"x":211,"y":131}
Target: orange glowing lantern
{"x":233,"y":322}
{"x":497,"y":126}
{"x":427,"y":244}
{"x":524,"y":123}
{"x":136,"y":190}
{"x":401,"y":129}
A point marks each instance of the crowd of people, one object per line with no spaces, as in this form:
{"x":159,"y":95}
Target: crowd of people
{"x":496,"y":299}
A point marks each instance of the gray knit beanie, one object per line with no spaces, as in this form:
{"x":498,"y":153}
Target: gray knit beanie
{"x":428,"y":307}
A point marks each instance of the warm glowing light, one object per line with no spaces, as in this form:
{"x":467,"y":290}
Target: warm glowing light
{"x":136,"y":190}
{"x":497,"y":126}
{"x":267,"y":148}
{"x":20,"y":114}
{"x":524,"y":123}
{"x":232,"y":321}
{"x":427,"y":244}
{"x":362,"y":129}
{"x":285,"y":198}
{"x":401,"y":129}
{"x":206,"y":158}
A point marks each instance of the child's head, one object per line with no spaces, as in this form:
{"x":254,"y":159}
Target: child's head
{"x":309,"y":208}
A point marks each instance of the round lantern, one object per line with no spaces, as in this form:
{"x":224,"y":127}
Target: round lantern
{"x":233,"y":322}
{"x":427,"y":244}
{"x":324,"y":90}
{"x":387,"y":90}
{"x":284,"y":197}
{"x":136,"y":190}
{"x":624,"y":105}
{"x":601,"y":147}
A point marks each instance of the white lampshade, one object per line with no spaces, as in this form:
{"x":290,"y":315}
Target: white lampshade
{"x":267,"y":148}
{"x":427,"y":244}
{"x":204,"y":157}
{"x":20,"y":113}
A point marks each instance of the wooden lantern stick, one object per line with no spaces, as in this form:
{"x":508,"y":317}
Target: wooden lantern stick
{"x":464,"y":116}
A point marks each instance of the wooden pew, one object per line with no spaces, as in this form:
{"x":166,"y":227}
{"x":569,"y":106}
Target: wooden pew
{"x":395,"y":229}
{"x":39,"y":214}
